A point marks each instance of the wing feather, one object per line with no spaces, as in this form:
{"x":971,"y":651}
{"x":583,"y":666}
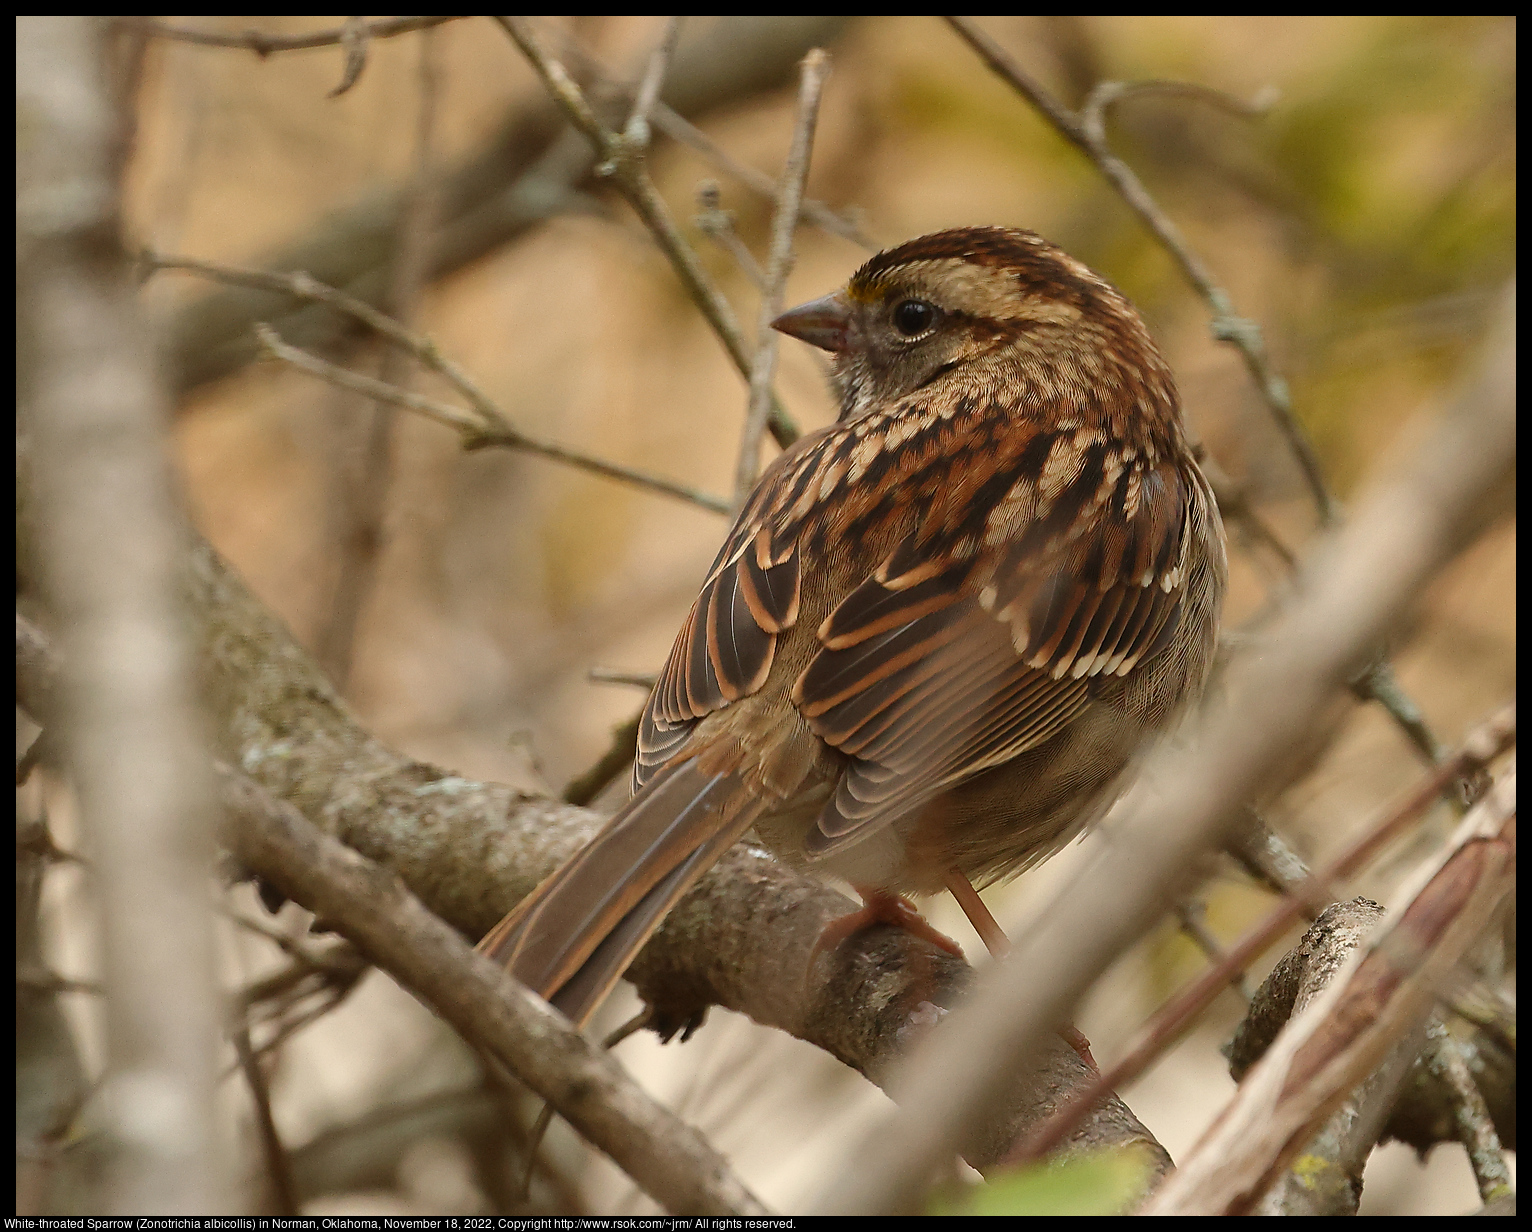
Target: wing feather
{"x":937,"y":668}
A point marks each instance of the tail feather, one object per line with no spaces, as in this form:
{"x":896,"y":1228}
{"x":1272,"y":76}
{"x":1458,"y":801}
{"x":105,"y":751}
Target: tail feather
{"x":571,"y":939}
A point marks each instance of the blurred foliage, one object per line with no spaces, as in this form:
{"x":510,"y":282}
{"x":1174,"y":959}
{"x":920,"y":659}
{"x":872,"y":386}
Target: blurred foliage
{"x":1104,"y":1182}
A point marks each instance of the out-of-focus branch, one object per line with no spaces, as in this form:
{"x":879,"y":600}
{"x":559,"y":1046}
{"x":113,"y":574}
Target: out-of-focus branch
{"x":278,"y":1171}
{"x":816,"y":213}
{"x":1189,"y":798}
{"x":623,"y":162}
{"x":1329,"y":1181}
{"x":668,"y":1159}
{"x":1475,"y":1126}
{"x":585,"y":787}
{"x":106,"y":537}
{"x":530,"y":169}
{"x":779,"y":263}
{"x":1309,"y":895}
{"x":358,"y":497}
{"x":1381,"y":994}
{"x":677,"y":127}
{"x":266,"y":44}
{"x":476,"y":433}
{"x":484,"y":426}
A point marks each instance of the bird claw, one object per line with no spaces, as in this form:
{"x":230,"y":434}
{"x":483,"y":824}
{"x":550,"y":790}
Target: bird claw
{"x":880,"y":907}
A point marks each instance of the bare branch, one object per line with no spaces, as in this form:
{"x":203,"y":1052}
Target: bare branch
{"x":743,"y":938}
{"x":846,"y":225}
{"x":354,"y":39}
{"x":358,"y":500}
{"x":612,"y":675}
{"x":1228,"y":325}
{"x":1381,"y":993}
{"x":529,"y":169}
{"x":816,"y":213}
{"x":1107,"y":94}
{"x":779,"y":263}
{"x":622,"y":161}
{"x":636,"y":130}
{"x":717,"y":224}
{"x":1307,"y":895}
{"x":278,"y":1170}
{"x":106,"y":537}
{"x":1328,"y":1182}
{"x":475,"y":432}
{"x":584,"y":788}
{"x":266,"y":44}
{"x":669,"y":1159}
{"x":1476,"y":1128}
{"x":1192,"y":915}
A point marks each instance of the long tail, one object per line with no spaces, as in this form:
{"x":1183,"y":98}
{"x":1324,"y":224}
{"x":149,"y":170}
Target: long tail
{"x":572,"y":938}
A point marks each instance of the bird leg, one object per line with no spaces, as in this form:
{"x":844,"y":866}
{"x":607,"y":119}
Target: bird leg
{"x":881,"y":907}
{"x":999,"y":945}
{"x":995,"y":940}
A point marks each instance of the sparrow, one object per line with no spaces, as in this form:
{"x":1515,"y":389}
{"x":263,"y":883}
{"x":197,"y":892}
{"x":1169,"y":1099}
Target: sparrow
{"x":939,"y":630}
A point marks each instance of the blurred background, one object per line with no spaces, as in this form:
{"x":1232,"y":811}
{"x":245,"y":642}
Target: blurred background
{"x":1366,"y":221}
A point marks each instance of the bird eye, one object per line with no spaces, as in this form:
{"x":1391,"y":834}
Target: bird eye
{"x":913,"y":317}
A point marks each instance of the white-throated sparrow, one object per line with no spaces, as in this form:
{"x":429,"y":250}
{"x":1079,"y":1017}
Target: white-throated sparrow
{"x":938,"y":630}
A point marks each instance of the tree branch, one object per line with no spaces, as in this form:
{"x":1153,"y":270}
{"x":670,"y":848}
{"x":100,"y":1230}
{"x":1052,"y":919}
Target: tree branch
{"x":105,"y":541}
{"x":779,"y":263}
{"x":668,"y":1159}
{"x":622,"y":160}
{"x":1381,"y":993}
{"x":530,"y":169}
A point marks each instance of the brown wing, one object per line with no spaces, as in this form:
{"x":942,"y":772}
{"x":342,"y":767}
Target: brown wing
{"x":725,"y":648}
{"x":940,"y":666}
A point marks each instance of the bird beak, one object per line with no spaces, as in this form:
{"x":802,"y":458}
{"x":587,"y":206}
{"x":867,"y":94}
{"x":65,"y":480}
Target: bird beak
{"x":823,"y":322}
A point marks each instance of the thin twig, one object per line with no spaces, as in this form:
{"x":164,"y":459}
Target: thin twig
{"x":1482,"y":746}
{"x":636,"y":130}
{"x":1192,"y":915}
{"x":1267,"y":857}
{"x":618,"y":757}
{"x":623,"y":162}
{"x":612,"y":675}
{"x":1475,"y":1127}
{"x":265,"y":44}
{"x":847,"y":225}
{"x":476,"y":434}
{"x":816,"y":213}
{"x":717,"y":224}
{"x":779,"y":263}
{"x":1107,"y":94}
{"x":358,"y":503}
{"x":354,"y":40}
{"x":1085,"y":132}
{"x":302,"y":286}
{"x":278,"y":1167}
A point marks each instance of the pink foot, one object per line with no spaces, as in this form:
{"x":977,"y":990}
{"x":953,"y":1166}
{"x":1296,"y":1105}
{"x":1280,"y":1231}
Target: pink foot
{"x":1076,"y":1040}
{"x":881,"y":907}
